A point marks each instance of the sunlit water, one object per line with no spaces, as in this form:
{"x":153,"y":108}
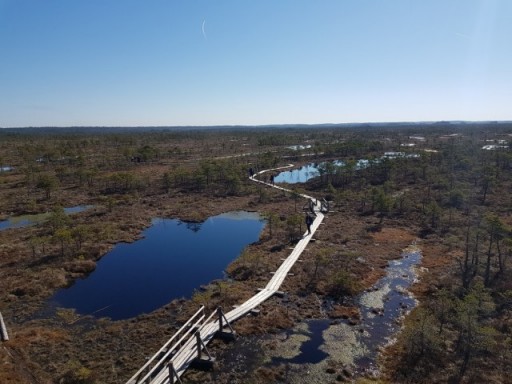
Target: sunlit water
{"x":302,"y":174}
{"x":312,"y":170}
{"x":357,"y":346}
{"x":172,"y":260}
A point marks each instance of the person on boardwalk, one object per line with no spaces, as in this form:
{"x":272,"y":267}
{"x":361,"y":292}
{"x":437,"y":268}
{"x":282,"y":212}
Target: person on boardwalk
{"x":312,"y":206}
{"x":272,"y":179}
{"x":309,"y":221}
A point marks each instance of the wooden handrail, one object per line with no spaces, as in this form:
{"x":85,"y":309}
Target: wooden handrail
{"x":135,"y":377}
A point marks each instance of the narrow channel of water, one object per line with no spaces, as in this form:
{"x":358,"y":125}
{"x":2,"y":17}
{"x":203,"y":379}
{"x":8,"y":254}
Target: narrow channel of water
{"x":382,"y":307}
{"x":172,"y":260}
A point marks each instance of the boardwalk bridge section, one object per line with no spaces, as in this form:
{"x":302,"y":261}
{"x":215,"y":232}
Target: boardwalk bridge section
{"x":188,"y":345}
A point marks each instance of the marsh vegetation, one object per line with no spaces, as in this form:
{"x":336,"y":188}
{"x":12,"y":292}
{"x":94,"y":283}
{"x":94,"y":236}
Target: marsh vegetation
{"x":451,"y":197}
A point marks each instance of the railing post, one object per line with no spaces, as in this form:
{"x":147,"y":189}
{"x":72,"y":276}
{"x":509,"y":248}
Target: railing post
{"x":4,"y":336}
{"x":219,"y":313}
{"x":224,"y":322}
{"x":173,"y":374}
{"x":198,"y":343}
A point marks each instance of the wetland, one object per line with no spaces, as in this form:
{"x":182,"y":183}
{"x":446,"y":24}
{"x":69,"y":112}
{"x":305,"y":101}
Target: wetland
{"x":343,"y":293}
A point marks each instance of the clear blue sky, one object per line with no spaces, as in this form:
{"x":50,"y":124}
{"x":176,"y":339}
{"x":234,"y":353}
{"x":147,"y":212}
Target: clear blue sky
{"x":214,"y":62}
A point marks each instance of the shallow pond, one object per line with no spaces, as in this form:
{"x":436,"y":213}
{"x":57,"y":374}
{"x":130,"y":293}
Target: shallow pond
{"x":309,"y":346}
{"x":299,"y":175}
{"x":26,"y":220}
{"x":299,"y":147}
{"x":312,"y":170}
{"x":302,"y":174}
{"x":172,"y":260}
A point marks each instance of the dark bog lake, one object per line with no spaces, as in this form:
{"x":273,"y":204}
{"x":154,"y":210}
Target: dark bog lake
{"x":172,"y":260}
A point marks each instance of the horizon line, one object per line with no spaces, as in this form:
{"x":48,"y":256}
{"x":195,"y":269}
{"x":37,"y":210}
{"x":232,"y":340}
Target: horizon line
{"x":261,"y":125}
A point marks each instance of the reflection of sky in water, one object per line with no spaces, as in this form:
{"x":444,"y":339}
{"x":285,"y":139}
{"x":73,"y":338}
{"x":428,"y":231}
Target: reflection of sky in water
{"x":172,"y":260}
{"x":303,"y":174}
{"x":380,"y":308}
{"x":299,"y":147}
{"x":362,"y":164}
{"x":300,"y":175}
{"x":309,"y":171}
{"x":391,"y":300}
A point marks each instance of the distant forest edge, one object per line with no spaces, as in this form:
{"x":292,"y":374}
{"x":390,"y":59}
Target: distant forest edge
{"x":362,"y":126}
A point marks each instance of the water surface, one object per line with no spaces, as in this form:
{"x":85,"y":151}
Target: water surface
{"x":298,"y":175}
{"x":381,"y":307}
{"x":26,"y":220}
{"x":304,"y":173}
{"x":299,"y":147}
{"x":312,"y":170}
{"x":172,"y":260}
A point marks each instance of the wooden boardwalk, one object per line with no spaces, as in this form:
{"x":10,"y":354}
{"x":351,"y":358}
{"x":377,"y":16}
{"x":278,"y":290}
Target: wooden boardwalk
{"x":189,"y":343}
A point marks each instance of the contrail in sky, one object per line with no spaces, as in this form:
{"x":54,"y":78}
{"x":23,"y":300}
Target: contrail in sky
{"x":202,"y":28}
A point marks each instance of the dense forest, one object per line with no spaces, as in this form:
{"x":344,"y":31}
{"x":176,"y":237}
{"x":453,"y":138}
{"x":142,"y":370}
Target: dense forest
{"x":443,"y":186}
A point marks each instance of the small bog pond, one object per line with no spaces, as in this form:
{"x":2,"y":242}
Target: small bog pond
{"x":309,"y":345}
{"x":172,"y":260}
{"x":312,"y":170}
{"x":26,"y":220}
{"x":302,"y":174}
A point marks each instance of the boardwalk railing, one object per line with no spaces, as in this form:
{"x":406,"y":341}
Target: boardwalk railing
{"x":171,"y":361}
{"x":156,"y":362}
{"x":4,"y":336}
{"x":171,"y":364}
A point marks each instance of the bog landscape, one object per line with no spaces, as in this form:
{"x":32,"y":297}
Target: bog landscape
{"x":111,"y":239}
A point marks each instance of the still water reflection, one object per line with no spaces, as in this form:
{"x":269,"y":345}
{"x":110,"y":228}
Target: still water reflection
{"x":172,"y":260}
{"x":304,"y":173}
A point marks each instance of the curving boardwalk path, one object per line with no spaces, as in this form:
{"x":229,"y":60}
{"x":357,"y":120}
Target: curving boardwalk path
{"x":172,"y":360}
